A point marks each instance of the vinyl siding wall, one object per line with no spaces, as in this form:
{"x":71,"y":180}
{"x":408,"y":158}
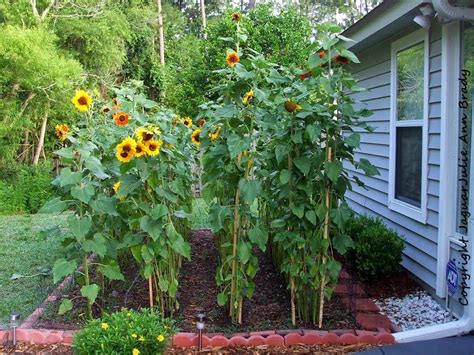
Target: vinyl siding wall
{"x":374,"y":74}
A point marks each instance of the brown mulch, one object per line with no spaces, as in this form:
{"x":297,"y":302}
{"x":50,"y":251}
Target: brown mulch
{"x":23,"y":348}
{"x":268,"y":309}
{"x":396,"y":285}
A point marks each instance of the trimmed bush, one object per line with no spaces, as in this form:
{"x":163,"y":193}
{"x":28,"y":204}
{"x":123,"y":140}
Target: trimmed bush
{"x":125,"y":332}
{"x":377,"y":250}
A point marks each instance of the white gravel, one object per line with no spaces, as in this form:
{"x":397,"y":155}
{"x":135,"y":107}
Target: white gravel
{"x":414,"y":311}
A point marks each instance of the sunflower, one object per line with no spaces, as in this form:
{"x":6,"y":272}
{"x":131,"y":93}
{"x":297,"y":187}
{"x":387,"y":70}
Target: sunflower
{"x":62,"y":131}
{"x":292,"y":106}
{"x":169,"y":146}
{"x":236,"y":16}
{"x":143,"y":134}
{"x":339,"y":59}
{"x":105,"y":109}
{"x":126,"y":150}
{"x":116,"y":186}
{"x":153,"y":147}
{"x":176,"y":120}
{"x":82,"y":100}
{"x":248,"y":97}
{"x":201,"y":122}
{"x":188,"y":122}
{"x":215,"y":133}
{"x":196,"y":137}
{"x":232,"y":59}
{"x":140,"y":149}
{"x":306,"y":75}
{"x":121,"y":118}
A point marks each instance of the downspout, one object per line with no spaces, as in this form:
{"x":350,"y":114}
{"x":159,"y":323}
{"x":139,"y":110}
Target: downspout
{"x":450,"y":12}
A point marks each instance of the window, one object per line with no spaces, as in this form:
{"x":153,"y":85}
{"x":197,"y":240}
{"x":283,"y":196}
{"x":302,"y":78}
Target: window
{"x":409,"y":111}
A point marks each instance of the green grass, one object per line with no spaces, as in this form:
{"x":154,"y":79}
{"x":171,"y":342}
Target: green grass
{"x":200,"y":216}
{"x":25,"y":251}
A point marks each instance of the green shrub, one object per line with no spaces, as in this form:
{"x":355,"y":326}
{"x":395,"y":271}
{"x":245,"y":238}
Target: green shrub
{"x":377,"y":250}
{"x":125,"y":332}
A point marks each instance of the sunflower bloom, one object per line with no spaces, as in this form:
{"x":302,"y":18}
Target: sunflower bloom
{"x":176,"y":120}
{"x":188,"y":122}
{"x":306,"y":75}
{"x":126,"y":150}
{"x":82,"y":100}
{"x":105,"y":109}
{"x":292,"y":106}
{"x":116,"y":186}
{"x":62,"y":131}
{"x":215,"y":134}
{"x":104,"y":325}
{"x":153,"y":147}
{"x":232,"y":59}
{"x":135,"y":351}
{"x":201,"y":122}
{"x":143,"y":134}
{"x":169,"y":146}
{"x":160,"y":338}
{"x":140,"y":149}
{"x":196,"y":137}
{"x":248,"y":97}
{"x":121,"y":118}
{"x":236,"y":16}
{"x":339,"y":59}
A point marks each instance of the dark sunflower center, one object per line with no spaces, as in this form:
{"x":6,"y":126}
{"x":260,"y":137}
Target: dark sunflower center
{"x":82,"y":100}
{"x":124,"y":154}
{"x":147,"y":136}
{"x":122,"y":118}
{"x":127,"y":148}
{"x":152,"y":147}
{"x":139,"y":149}
{"x":106,"y":109}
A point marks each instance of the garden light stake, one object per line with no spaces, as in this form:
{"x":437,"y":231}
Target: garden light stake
{"x":14,"y":323}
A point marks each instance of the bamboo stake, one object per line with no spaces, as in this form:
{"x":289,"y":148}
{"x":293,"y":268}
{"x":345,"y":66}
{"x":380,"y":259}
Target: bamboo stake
{"x":325,"y":236}
{"x":293,"y":306}
{"x":150,"y":292}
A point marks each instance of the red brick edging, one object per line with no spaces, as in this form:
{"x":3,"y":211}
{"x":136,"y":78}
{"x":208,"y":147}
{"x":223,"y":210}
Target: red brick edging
{"x":186,"y":340}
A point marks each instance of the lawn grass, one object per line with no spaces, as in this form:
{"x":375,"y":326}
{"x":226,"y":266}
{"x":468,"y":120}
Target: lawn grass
{"x":23,"y":251}
{"x":200,"y":218}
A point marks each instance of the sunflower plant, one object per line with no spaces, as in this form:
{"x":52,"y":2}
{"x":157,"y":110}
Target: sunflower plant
{"x":127,"y":182}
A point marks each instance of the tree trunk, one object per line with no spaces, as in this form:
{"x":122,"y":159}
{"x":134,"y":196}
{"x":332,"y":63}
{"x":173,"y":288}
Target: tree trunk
{"x":25,"y":147}
{"x":204,"y":21}
{"x":161,"y":33}
{"x":39,"y":147}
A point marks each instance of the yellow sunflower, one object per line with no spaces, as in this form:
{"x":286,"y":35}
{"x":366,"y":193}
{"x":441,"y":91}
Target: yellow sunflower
{"x":143,"y":134}
{"x":116,"y":186}
{"x":176,"y":120}
{"x":188,"y":122}
{"x":62,"y":131}
{"x":248,"y":97}
{"x":196,"y":137}
{"x":215,"y":133}
{"x":292,"y":106}
{"x":82,"y":100}
{"x":232,"y":59}
{"x":153,"y":147}
{"x":126,"y":150}
{"x":135,"y":351}
{"x":140,"y":149}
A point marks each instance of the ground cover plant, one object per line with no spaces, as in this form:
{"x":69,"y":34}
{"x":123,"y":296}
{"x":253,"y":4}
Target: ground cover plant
{"x":29,"y":245}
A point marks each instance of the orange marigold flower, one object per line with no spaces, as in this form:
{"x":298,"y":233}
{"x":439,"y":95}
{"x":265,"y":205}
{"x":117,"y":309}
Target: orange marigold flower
{"x":121,"y":118}
{"x":232,"y":59}
{"x":236,"y":16}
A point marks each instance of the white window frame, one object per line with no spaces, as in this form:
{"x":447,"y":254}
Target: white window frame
{"x":417,"y":213}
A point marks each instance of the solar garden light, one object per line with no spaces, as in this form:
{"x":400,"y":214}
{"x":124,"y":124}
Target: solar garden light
{"x":200,"y":327}
{"x":14,"y":323}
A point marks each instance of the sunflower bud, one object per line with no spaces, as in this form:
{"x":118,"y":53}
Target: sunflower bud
{"x":292,"y":106}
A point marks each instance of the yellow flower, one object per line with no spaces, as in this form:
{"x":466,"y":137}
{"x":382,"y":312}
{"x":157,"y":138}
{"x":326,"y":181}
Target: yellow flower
{"x":169,"y":146}
{"x":153,"y":147}
{"x":134,"y":336}
{"x":160,"y":338}
{"x":248,"y":97}
{"x":116,"y":186}
{"x":142,"y":338}
{"x":215,"y":134}
{"x":143,"y":134}
{"x":176,"y":120}
{"x":126,"y":150}
{"x":62,"y":131}
{"x":232,"y":59}
{"x":196,"y":137}
{"x":129,"y":314}
{"x":104,"y":325}
{"x":82,"y":100}
{"x":135,"y":351}
{"x":188,"y":122}
{"x":140,"y":150}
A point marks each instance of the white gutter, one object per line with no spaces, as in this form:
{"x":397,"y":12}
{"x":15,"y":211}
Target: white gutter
{"x":450,"y":12}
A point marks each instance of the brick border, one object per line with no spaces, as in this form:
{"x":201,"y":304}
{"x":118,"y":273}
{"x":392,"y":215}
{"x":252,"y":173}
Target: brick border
{"x":187,"y":340}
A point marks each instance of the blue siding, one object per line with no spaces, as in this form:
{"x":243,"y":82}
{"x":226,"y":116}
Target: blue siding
{"x":374,"y":74}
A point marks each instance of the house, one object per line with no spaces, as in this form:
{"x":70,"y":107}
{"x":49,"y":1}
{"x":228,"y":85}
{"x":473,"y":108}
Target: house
{"x":417,"y":62}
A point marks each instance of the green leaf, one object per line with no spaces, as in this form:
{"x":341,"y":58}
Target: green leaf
{"x":314,"y":131}
{"x":250,"y":189}
{"x":221,"y":299}
{"x":159,"y":211}
{"x":333,"y":169}
{"x":297,"y":137}
{"x":63,"y":268}
{"x":105,"y":204}
{"x":277,"y":223}
{"x":242,"y":72}
{"x":65,"y":306}
{"x":163,"y":284}
{"x":65,"y":152}
{"x":54,"y":206}
{"x":83,"y":193}
{"x":128,"y":184}
{"x":227,"y":111}
{"x":284,"y":176}
{"x":303,"y":164}
{"x":90,"y":291}
{"x":152,"y":227}
{"x":111,"y":270}
{"x":298,"y":210}
{"x":281,"y":152}
{"x":67,"y":177}
{"x":311,"y":216}
{"x":235,"y":145}
{"x":342,"y":243}
{"x":96,"y":245}
{"x":353,"y":140}
{"x":244,"y":252}
{"x":80,"y":226}
{"x":341,"y":215}
{"x":368,"y":168}
{"x":95,"y":166}
{"x":351,"y":56}
{"x":181,"y":247}
{"x":147,"y":254}
{"x":259,"y":237}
